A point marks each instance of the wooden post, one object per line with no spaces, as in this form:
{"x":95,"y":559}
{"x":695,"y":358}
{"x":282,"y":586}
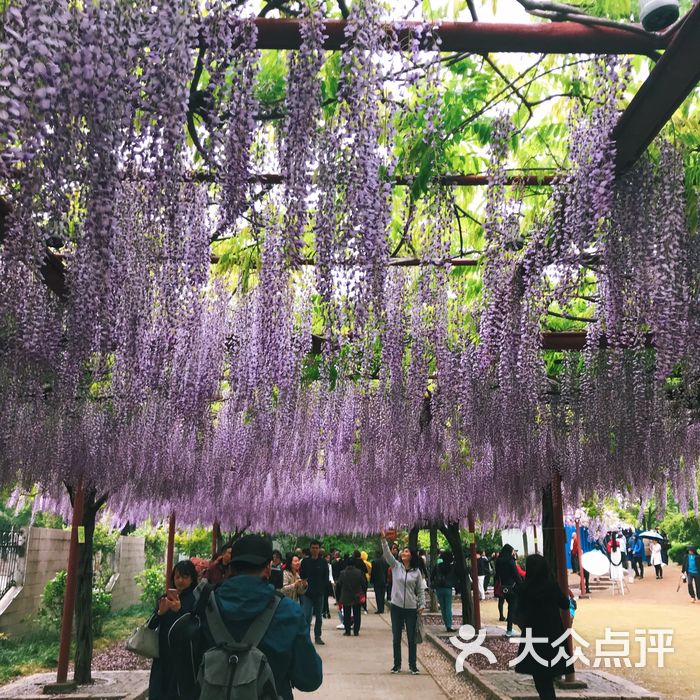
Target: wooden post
{"x":580,"y":561}
{"x":475,"y":574}
{"x":560,"y":556}
{"x":215,"y":539}
{"x":71,"y":586}
{"x":526,"y":549}
{"x":534,"y":538}
{"x":171,"y":550}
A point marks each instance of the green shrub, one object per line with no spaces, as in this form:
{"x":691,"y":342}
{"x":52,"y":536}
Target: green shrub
{"x":101,"y":607}
{"x":196,"y":543}
{"x":51,"y":610}
{"x":151,"y":582}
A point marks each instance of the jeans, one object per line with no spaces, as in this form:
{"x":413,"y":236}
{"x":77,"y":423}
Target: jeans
{"x":444,"y":596}
{"x":694,"y":578}
{"x":352,"y":617}
{"x":380,"y":595}
{"x":639,"y":566}
{"x":659,"y":571}
{"x":314,"y":606}
{"x":510,"y":599}
{"x":401,"y":617}
{"x":544,"y":684}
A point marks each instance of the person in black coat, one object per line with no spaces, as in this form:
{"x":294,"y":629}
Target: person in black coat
{"x":538,"y":606}
{"x":508,"y":578}
{"x":351,"y":588}
{"x":378,"y":580}
{"x":179,"y":599}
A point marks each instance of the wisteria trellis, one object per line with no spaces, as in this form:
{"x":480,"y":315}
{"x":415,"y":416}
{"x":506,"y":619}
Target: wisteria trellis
{"x":157,"y":383}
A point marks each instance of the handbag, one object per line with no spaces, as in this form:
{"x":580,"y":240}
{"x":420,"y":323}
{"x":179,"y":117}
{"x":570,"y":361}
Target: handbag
{"x":144,"y":641}
{"x":361,"y":598}
{"x":419,"y":629}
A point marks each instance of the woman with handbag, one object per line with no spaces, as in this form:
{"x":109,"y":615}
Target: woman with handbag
{"x":178,"y":600}
{"x":508,"y":578}
{"x":351,"y":590}
{"x":407,"y":601}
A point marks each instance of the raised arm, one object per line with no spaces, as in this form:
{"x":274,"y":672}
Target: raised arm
{"x":388,"y":556}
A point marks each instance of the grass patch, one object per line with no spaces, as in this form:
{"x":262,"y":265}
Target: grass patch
{"x":37,"y":650}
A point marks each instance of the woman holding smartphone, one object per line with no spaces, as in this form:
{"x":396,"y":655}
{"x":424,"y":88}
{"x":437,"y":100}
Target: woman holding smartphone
{"x":178,"y":600}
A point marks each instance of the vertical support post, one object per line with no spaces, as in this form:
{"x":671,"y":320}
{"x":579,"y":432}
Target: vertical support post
{"x":580,"y":561}
{"x":71,"y":585}
{"x":171,"y":550}
{"x":534,"y":538}
{"x":475,"y":574}
{"x":526,"y":549}
{"x":214,"y":539}
{"x":560,"y":553}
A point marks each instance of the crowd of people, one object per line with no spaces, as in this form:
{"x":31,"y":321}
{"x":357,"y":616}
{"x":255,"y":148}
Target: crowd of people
{"x":247,"y":579}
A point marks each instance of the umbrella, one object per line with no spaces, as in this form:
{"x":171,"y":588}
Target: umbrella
{"x":596,"y":563}
{"x":651,"y":535}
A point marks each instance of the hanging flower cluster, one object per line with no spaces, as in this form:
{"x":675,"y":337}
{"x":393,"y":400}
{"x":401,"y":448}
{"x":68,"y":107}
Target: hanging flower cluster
{"x":154,"y":382}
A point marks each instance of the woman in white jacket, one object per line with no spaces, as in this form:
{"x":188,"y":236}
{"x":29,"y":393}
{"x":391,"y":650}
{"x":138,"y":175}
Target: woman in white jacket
{"x":407,"y":601}
{"x":656,"y":559}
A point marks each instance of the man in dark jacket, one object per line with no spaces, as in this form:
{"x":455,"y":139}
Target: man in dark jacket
{"x":286,"y":644}
{"x":378,"y":580}
{"x":314,"y":570}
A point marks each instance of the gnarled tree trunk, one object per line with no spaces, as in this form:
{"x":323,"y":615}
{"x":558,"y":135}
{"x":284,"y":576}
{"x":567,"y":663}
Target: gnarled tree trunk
{"x":83,"y":609}
{"x":451,"y":533}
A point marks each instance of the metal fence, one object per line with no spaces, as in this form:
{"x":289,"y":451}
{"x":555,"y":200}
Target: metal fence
{"x":11,"y":549}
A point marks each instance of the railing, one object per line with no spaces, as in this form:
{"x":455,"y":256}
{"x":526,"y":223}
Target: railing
{"x":11,"y":546}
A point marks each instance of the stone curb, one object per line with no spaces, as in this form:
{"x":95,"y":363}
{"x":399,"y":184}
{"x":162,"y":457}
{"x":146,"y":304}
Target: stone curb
{"x":469,"y":671}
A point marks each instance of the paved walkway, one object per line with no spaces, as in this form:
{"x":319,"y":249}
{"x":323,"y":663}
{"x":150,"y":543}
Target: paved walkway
{"x":360,"y":667}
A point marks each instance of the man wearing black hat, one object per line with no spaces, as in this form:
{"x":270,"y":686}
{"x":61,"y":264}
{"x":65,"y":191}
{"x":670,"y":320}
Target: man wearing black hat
{"x":286,"y":644}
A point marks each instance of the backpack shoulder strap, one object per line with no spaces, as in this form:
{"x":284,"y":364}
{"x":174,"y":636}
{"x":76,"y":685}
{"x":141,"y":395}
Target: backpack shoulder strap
{"x":257,"y":629}
{"x":217,"y":627}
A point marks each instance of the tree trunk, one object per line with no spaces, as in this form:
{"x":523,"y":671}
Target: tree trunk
{"x":549,"y":550}
{"x":83,"y":610}
{"x":525,"y":543}
{"x":433,"y":559}
{"x":451,"y":533}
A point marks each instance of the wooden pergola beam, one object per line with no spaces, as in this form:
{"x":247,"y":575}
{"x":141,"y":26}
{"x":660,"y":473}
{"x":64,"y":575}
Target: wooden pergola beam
{"x":670,"y":82}
{"x":483,"y":37}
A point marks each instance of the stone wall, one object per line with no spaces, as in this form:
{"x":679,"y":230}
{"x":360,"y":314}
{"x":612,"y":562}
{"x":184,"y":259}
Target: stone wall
{"x":130,"y":560}
{"x":46,"y":552}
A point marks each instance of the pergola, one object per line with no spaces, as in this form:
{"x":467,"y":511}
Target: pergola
{"x":675,"y":74}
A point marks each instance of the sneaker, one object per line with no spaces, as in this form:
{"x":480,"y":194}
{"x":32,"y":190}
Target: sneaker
{"x":396,"y":669}
{"x":501,"y":619}
{"x":320,"y":642}
{"x":356,"y":634}
{"x":346,"y":634}
{"x":341,"y":626}
{"x":510,"y":633}
{"x":414,"y":671}
{"x":451,"y":629}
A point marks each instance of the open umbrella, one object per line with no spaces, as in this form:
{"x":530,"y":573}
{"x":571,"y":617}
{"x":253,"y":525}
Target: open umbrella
{"x":595,"y":563}
{"x":651,"y":535}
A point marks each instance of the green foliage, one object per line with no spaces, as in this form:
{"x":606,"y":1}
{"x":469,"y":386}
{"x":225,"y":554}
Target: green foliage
{"x":196,"y":543}
{"x":101,"y":607}
{"x":51,"y":609}
{"x":152,"y":584}
{"x":155,"y":543}
{"x":104,"y":539}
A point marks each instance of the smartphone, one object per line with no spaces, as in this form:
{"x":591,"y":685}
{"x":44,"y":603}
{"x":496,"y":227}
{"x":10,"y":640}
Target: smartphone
{"x":172,"y":593}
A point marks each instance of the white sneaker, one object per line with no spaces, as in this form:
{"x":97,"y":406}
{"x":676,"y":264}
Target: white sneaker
{"x":341,"y":626}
